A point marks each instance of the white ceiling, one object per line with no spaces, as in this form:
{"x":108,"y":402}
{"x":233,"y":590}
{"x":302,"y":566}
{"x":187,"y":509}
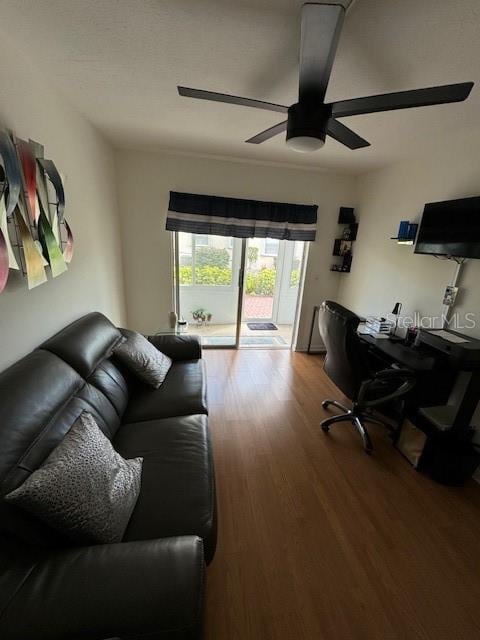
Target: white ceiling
{"x":120,"y":61}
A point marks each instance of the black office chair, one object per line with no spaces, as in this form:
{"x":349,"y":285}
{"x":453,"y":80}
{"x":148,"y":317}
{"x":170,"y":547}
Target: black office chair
{"x":347,"y":364}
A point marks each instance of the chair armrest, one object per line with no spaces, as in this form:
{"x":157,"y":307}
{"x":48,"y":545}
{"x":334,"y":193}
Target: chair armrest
{"x":151,"y":589}
{"x":392,"y":372}
{"x":185,"y":347}
{"x":403,"y":378}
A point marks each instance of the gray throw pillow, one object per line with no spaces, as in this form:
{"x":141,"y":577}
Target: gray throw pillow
{"x":143,"y":359}
{"x":84,"y":489}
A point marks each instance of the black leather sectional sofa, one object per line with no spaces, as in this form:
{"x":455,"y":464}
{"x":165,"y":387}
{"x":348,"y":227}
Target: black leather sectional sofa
{"x":151,"y":584}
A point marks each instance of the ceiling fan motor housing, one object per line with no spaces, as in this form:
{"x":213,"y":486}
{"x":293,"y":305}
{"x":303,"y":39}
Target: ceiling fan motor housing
{"x":308,"y":120}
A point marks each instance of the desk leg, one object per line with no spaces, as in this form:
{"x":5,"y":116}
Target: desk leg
{"x":315,"y":309}
{"x":462,"y":422}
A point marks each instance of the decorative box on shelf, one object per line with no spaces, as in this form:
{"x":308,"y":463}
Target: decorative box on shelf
{"x":342,"y":247}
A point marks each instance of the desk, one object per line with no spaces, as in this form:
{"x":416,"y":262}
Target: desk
{"x":443,"y":401}
{"x":446,"y":394}
{"x":436,"y":368}
{"x":409,"y":357}
{"x":435,"y":376}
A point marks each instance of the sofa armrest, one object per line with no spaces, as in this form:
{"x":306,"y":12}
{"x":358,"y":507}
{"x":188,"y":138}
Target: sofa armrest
{"x":184,"y":347}
{"x":131,"y":590}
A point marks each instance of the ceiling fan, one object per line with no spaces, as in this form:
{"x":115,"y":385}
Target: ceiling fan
{"x":310,"y":120}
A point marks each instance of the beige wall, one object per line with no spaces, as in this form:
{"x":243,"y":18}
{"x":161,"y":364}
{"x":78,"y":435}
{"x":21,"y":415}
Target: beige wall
{"x":384,"y":272}
{"x":145,"y":180}
{"x":94,"y":280}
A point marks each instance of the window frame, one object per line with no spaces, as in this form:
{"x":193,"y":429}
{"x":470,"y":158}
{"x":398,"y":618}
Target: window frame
{"x":196,"y":243}
{"x":269,"y":253}
{"x":193,"y":247}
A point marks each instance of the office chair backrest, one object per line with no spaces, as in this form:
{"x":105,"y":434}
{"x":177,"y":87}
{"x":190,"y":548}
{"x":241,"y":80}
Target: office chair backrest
{"x":346,"y":363}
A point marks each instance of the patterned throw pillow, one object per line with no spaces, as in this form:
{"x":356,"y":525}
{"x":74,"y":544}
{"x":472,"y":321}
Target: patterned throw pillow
{"x":143,"y":359}
{"x":84,"y":489}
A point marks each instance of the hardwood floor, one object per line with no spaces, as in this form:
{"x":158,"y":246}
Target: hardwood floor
{"x":317,"y":540}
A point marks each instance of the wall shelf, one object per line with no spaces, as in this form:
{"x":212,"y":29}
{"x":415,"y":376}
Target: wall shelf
{"x":343,"y":247}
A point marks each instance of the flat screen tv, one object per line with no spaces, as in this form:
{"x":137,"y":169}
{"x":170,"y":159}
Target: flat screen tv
{"x":450,"y":228}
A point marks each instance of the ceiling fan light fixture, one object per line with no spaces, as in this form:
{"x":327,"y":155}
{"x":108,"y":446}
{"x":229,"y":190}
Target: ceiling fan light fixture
{"x":305,"y":144}
{"x":306,"y":126}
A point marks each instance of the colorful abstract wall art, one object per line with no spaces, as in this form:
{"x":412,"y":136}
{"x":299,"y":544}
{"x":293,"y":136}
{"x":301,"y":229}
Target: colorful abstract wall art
{"x":35,"y":238}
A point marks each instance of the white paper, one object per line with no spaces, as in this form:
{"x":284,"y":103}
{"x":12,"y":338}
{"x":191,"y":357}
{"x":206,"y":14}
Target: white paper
{"x":375,"y":334}
{"x":450,"y":336}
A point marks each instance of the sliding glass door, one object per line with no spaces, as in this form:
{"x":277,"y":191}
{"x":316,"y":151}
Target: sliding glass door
{"x":272,"y":279}
{"x":208,"y":291}
{"x":234,"y":292}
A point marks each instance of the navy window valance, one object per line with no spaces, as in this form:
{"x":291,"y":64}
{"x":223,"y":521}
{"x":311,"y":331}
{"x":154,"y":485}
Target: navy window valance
{"x":215,"y":215}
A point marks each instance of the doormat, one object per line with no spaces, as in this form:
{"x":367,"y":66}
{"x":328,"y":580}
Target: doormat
{"x":262,"y":326}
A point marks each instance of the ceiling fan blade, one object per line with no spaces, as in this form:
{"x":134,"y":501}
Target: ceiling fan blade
{"x":346,"y":136}
{"x":268,"y":133}
{"x":224,"y":97}
{"x":320,"y":32}
{"x":402,"y":100}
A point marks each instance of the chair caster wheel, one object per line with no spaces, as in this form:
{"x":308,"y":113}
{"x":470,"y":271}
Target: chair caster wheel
{"x":325,"y":404}
{"x":325,"y":428}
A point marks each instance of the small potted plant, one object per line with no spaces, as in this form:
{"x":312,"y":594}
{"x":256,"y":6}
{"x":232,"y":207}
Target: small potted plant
{"x":201,"y":316}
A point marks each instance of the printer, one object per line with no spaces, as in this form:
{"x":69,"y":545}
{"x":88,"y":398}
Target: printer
{"x":463,"y":352}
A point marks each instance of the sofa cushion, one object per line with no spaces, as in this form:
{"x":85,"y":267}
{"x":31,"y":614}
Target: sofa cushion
{"x":85,"y":342}
{"x":147,"y":362}
{"x":87,"y":346}
{"x":84,"y":489}
{"x":113,"y":384}
{"x":177,"y":494}
{"x":33,"y":392}
{"x":146,"y":590}
{"x":183,"y":393}
{"x":49,"y":432}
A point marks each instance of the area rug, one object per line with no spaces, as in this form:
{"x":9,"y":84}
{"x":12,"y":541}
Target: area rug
{"x":245,"y":341}
{"x":262,"y":341}
{"x":262,"y":326}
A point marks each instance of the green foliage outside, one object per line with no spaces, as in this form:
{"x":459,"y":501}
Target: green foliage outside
{"x":211,"y":257}
{"x":261,"y":283}
{"x":206,"y":275}
{"x":213,"y":275}
{"x":185,"y":274}
{"x":252,"y":255}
